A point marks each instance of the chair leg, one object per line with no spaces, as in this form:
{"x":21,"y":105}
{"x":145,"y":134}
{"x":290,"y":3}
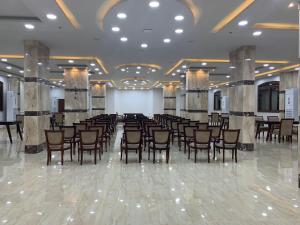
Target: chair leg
{"x":71,"y":154}
{"x":153,"y":155}
{"x":62,"y":158}
{"x":208,"y":157}
{"x":167,"y":155}
{"x":148,"y":153}
{"x":81,"y":157}
{"x":196,"y":154}
{"x":223,"y":155}
{"x":140,"y":155}
{"x":126,"y":153}
{"x":189,"y":152}
{"x":95,"y":156}
{"x":48,"y":157}
{"x":236,"y":155}
{"x":121,"y":153}
{"x":232,"y":154}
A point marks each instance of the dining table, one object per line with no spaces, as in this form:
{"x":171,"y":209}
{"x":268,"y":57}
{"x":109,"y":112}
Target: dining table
{"x":7,"y":124}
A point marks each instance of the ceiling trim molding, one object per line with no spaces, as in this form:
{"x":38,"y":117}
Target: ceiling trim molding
{"x":104,"y":9}
{"x":153,"y":66}
{"x":87,"y":58}
{"x":232,"y":15}
{"x":276,"y":26}
{"x":182,"y":61}
{"x":195,"y":10}
{"x":68,"y":13}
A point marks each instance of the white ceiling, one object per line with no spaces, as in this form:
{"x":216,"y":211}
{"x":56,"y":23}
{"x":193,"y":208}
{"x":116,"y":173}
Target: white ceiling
{"x":197,"y":41}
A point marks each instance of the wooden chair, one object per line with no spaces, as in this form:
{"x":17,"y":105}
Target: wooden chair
{"x":215,"y":135}
{"x":201,"y":141}
{"x":285,"y":130}
{"x":160,"y":142}
{"x":20,"y":119}
{"x":88,"y":142}
{"x":229,"y":142}
{"x":180,"y":131}
{"x":202,"y":126}
{"x":69,"y":136}
{"x":188,"y":135}
{"x":58,"y":119}
{"x":215,"y":119}
{"x":55,"y":143}
{"x":132,"y":142}
{"x":101,"y":141}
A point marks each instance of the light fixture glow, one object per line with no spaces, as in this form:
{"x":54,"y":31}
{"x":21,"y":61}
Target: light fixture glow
{"x":204,"y":64}
{"x":115,"y":29}
{"x":179,"y":17}
{"x":271,"y":68}
{"x":227,"y":76}
{"x":184,"y":67}
{"x":257,"y":33}
{"x":256,"y":71}
{"x":71,"y":61}
{"x":96,"y":69}
{"x":178,"y":71}
{"x":291,"y":5}
{"x":266,"y":65}
{"x":153,"y":70}
{"x":154,"y":4}
{"x":122,"y":16}
{"x":269,"y":75}
{"x":144,"y":45}
{"x":21,"y":71}
{"x":100,"y":73}
{"x":173,"y":74}
{"x":51,"y":16}
{"x":124,"y":39}
{"x":167,"y":40}
{"x":9,"y":75}
{"x":4,"y":60}
{"x":179,"y":31}
{"x":243,"y":23}
{"x":139,"y":67}
{"x":123,"y":70}
{"x":232,"y":67}
{"x":92,"y":64}
{"x":29,"y":26}
{"x":9,"y":67}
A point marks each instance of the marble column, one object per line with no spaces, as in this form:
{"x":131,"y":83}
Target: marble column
{"x":287,"y":80}
{"x":242,"y":95}
{"x":76,"y":95}
{"x":170,"y":99}
{"x":197,"y":94}
{"x":98,"y":92}
{"x":182,"y":97}
{"x":14,"y":85}
{"x":36,"y":95}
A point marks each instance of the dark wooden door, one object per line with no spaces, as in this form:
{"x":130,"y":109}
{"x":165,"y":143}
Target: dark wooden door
{"x":61,"y":105}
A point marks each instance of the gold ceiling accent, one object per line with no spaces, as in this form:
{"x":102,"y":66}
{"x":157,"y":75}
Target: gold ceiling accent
{"x":83,"y":58}
{"x":277,"y":26}
{"x":278,"y":70}
{"x":195,"y":10}
{"x":232,"y":15}
{"x":182,"y":61}
{"x":104,"y":9}
{"x":68,"y":13}
{"x":153,"y":66}
{"x":103,"y":81}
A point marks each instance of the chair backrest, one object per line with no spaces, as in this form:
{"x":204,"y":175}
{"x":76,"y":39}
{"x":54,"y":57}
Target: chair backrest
{"x":133,"y":137}
{"x":214,"y":117}
{"x":79,"y":127}
{"x":202,"y":126}
{"x":161,"y":137}
{"x":69,"y":131}
{"x":151,"y":128}
{"x":259,"y":118}
{"x":88,"y":137}
{"x":59,"y":118}
{"x":215,"y":131}
{"x":104,"y":125}
{"x":20,"y":119}
{"x":174,"y":125}
{"x":131,"y":128}
{"x":99,"y":128}
{"x":189,"y":131}
{"x":181,"y":127}
{"x":231,"y":136}
{"x":54,"y":137}
{"x":286,"y":127}
{"x":193,"y":123}
{"x":273,"y":118}
{"x":202,"y":136}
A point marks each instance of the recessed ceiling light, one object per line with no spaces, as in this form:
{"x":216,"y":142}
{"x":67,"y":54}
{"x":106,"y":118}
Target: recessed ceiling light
{"x":257,"y":33}
{"x":184,"y":67}
{"x":40,"y":63}
{"x":269,"y":75}
{"x":179,"y":17}
{"x":71,"y":61}
{"x":100,"y":73}
{"x":243,"y":23}
{"x":51,"y":16}
{"x":154,"y":4}
{"x":153,"y":70}
{"x":139,"y":67}
{"x":179,"y":31}
{"x":29,"y":26}
{"x":256,"y":71}
{"x":115,"y":29}
{"x":204,"y":64}
{"x":297,"y":68}
{"x":173,"y":74}
{"x":96,"y":69}
{"x":271,"y":68}
{"x":4,"y":60}
{"x":89,"y":74}
{"x":248,"y":59}
{"x":9,"y":67}
{"x":9,"y":75}
{"x":182,"y":76}
{"x":144,"y":45}
{"x":178,"y":71}
{"x":123,"y":70}
{"x":227,"y":76}
{"x":21,"y":71}
{"x":93,"y":64}
{"x":232,"y":67}
{"x":122,"y":15}
{"x":137,"y":72}
{"x":167,"y":40}
{"x":124,"y":39}
{"x":266,"y":65}
{"x":291,"y":5}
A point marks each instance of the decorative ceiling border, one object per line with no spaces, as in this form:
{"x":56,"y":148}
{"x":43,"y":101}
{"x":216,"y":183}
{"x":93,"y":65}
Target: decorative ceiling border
{"x":87,"y":58}
{"x":68,"y":13}
{"x":182,"y":61}
{"x":276,"y":26}
{"x":152,"y":66}
{"x":232,"y":15}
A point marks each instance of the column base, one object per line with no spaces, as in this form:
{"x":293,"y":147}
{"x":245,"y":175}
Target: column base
{"x":33,"y":149}
{"x":246,"y":146}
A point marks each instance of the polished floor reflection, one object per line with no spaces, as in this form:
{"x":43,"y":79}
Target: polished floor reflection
{"x":261,"y":189}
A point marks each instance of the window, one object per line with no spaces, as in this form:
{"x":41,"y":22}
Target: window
{"x":217,"y":100}
{"x":268,"y":97}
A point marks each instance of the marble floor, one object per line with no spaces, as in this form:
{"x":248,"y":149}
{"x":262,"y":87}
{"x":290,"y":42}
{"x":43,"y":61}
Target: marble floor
{"x":261,"y":189}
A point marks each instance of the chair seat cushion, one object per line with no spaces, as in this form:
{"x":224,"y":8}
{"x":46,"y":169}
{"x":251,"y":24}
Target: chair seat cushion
{"x":88,"y":147}
{"x":134,"y":146}
{"x":192,"y":145}
{"x":158,"y":146}
{"x":220,"y":145}
{"x":57,"y":147}
{"x":275,"y":131}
